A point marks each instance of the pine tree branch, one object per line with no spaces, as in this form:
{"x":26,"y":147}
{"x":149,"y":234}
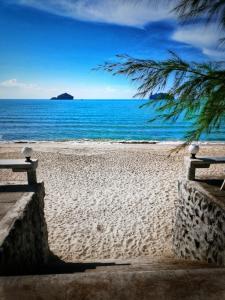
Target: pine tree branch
{"x":197,"y":90}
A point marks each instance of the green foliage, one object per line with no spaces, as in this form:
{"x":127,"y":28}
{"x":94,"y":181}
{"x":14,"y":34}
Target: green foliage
{"x":196,"y":90}
{"x":209,"y":10}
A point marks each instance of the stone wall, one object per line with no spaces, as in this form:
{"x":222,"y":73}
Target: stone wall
{"x":23,"y":234}
{"x":199,"y":227}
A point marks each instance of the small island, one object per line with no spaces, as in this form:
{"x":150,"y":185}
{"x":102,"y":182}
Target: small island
{"x":64,"y":96}
{"x":160,"y":96}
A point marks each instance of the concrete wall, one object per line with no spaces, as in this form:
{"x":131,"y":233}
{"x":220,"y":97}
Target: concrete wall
{"x":199,"y":226}
{"x":23,"y":233}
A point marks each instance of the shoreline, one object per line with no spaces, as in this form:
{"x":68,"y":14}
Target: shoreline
{"x":109,"y":141}
{"x":75,"y":147}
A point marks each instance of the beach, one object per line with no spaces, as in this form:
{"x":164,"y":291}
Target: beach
{"x":108,"y":200}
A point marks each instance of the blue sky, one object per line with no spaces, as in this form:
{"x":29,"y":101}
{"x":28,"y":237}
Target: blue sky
{"x":49,"y":47}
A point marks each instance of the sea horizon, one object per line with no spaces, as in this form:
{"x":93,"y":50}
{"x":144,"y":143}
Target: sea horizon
{"x":75,"y":99}
{"x":117,"y":120}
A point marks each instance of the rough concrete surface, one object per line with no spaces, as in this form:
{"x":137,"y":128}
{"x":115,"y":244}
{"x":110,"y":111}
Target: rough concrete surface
{"x":157,"y":285}
{"x":199,"y":229}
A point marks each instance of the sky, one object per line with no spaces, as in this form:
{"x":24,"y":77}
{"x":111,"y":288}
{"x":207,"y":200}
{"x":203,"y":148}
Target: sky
{"x":48,"y":47}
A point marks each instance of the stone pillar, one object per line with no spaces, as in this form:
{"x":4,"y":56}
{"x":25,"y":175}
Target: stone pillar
{"x":199,"y":227}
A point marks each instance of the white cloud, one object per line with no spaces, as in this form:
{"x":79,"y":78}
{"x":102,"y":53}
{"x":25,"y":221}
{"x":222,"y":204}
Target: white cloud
{"x":15,"y":89}
{"x":136,"y":13}
{"x":204,"y":37}
{"x":198,"y":35}
{"x":14,"y":83}
{"x":214,"y":53}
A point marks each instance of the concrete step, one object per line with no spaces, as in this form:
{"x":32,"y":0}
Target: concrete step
{"x":188,"y":284}
{"x":149,"y":265}
{"x":131,"y":279}
{"x":121,"y":265}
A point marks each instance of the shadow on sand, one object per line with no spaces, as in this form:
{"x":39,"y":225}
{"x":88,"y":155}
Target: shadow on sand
{"x":57,"y":266}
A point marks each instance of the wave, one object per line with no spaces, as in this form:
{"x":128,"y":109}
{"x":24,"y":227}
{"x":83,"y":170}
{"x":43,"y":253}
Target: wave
{"x":110,"y":141}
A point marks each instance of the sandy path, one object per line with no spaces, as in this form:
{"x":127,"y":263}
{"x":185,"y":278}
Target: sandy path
{"x":107,"y":200}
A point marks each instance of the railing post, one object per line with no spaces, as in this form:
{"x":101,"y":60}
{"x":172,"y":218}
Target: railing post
{"x":191,"y":172}
{"x":191,"y":164}
{"x":189,"y":169}
{"x":32,"y":176}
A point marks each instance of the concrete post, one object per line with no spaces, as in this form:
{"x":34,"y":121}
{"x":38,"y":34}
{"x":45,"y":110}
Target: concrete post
{"x":32,"y":176}
{"x":191,"y":172}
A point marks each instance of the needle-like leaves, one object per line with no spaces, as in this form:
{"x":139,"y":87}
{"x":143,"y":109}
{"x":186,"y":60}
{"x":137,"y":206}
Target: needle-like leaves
{"x":209,"y":10}
{"x":196,"y":91}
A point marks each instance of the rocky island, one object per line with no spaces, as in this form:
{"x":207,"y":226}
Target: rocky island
{"x":64,"y":96}
{"x":160,"y":96}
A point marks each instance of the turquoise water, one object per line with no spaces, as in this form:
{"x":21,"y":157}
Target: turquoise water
{"x":87,"y":119}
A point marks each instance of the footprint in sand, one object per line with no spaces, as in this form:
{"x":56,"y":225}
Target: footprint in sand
{"x":99,"y":228}
{"x":130,"y":243}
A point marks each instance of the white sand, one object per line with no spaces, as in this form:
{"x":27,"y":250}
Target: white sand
{"x":108,"y":200}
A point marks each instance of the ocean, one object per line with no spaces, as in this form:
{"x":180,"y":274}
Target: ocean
{"x":118,"y":120}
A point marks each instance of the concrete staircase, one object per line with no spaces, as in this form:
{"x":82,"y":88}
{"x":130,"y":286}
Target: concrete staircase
{"x":134,"y":279}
